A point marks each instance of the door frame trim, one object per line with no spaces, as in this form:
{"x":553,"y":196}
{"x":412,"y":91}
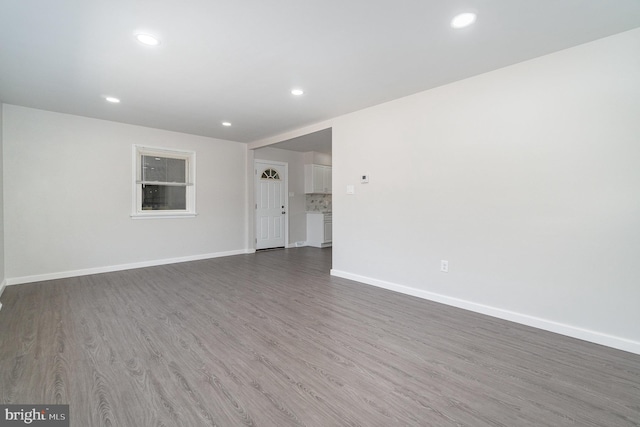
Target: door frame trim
{"x":285,"y":165}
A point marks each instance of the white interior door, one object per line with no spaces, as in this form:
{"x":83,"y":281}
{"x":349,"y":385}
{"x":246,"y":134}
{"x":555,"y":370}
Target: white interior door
{"x":271,"y":204}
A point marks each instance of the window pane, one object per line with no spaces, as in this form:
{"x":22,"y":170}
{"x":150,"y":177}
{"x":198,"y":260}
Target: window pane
{"x":153,"y":168}
{"x":176,"y":170}
{"x":163,"y":169}
{"x":162,"y":197}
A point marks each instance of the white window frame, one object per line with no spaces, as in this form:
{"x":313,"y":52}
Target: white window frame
{"x":189,"y":156}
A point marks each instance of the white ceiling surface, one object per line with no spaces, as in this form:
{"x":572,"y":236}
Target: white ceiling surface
{"x":238,"y":60}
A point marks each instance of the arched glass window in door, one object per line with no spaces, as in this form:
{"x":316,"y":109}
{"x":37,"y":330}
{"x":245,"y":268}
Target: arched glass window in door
{"x":270,"y":174}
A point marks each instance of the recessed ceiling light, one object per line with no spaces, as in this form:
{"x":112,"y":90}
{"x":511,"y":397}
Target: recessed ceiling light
{"x":226,"y":124}
{"x":112,"y":99}
{"x":463,"y":20}
{"x":147,"y":39}
{"x":297,"y":92}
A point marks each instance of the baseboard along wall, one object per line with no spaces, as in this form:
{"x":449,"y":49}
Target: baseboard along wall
{"x":536,"y":322}
{"x":2,"y":286}
{"x":120,"y":267}
{"x":524,"y":319}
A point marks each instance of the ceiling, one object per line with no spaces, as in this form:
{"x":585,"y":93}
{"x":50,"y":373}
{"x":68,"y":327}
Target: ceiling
{"x":238,"y":60}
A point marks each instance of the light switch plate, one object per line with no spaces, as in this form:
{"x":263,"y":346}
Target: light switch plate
{"x":364,"y":178}
{"x":351,"y":189}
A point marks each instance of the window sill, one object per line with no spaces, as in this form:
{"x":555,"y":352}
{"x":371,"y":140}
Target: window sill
{"x":160,"y":215}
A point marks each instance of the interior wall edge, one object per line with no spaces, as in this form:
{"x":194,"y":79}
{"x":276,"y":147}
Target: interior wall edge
{"x":2,"y":286}
{"x":595,"y":337}
{"x":107,"y":269}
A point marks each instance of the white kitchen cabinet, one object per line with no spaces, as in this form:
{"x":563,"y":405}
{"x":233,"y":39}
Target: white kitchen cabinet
{"x":328,"y":229}
{"x":317,"y":179}
{"x":319,"y":229}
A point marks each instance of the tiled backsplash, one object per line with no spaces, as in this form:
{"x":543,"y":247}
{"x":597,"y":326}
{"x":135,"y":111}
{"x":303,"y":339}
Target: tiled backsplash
{"x":318,"y":202}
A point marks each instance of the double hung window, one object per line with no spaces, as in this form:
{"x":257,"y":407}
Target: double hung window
{"x":164,"y":183}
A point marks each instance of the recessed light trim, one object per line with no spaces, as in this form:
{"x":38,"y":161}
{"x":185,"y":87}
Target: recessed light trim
{"x":463,"y":20}
{"x":297,"y":92}
{"x":112,"y":99}
{"x":227,"y":124}
{"x":147,"y":39}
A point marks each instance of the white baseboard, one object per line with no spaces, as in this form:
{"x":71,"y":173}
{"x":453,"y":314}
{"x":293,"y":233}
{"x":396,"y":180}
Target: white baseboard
{"x":318,"y":244}
{"x":2,"y":286}
{"x":120,"y":267}
{"x":536,"y":322}
{"x":296,"y":245}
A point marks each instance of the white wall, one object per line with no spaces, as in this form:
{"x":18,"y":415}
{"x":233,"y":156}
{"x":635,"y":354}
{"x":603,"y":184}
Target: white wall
{"x":68,"y":184}
{"x":297,"y":203}
{"x":526,"y":179}
{"x":2,"y":275}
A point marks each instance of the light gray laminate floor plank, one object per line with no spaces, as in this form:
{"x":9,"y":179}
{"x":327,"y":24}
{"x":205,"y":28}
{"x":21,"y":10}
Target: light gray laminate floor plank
{"x":271,"y":339}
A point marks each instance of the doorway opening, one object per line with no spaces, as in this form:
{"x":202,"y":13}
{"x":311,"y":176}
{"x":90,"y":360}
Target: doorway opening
{"x":308,"y":193}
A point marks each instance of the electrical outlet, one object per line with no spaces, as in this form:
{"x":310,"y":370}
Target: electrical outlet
{"x":444,"y":266}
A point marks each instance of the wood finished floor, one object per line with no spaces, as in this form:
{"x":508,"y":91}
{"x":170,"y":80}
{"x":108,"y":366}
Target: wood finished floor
{"x":271,"y":339}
